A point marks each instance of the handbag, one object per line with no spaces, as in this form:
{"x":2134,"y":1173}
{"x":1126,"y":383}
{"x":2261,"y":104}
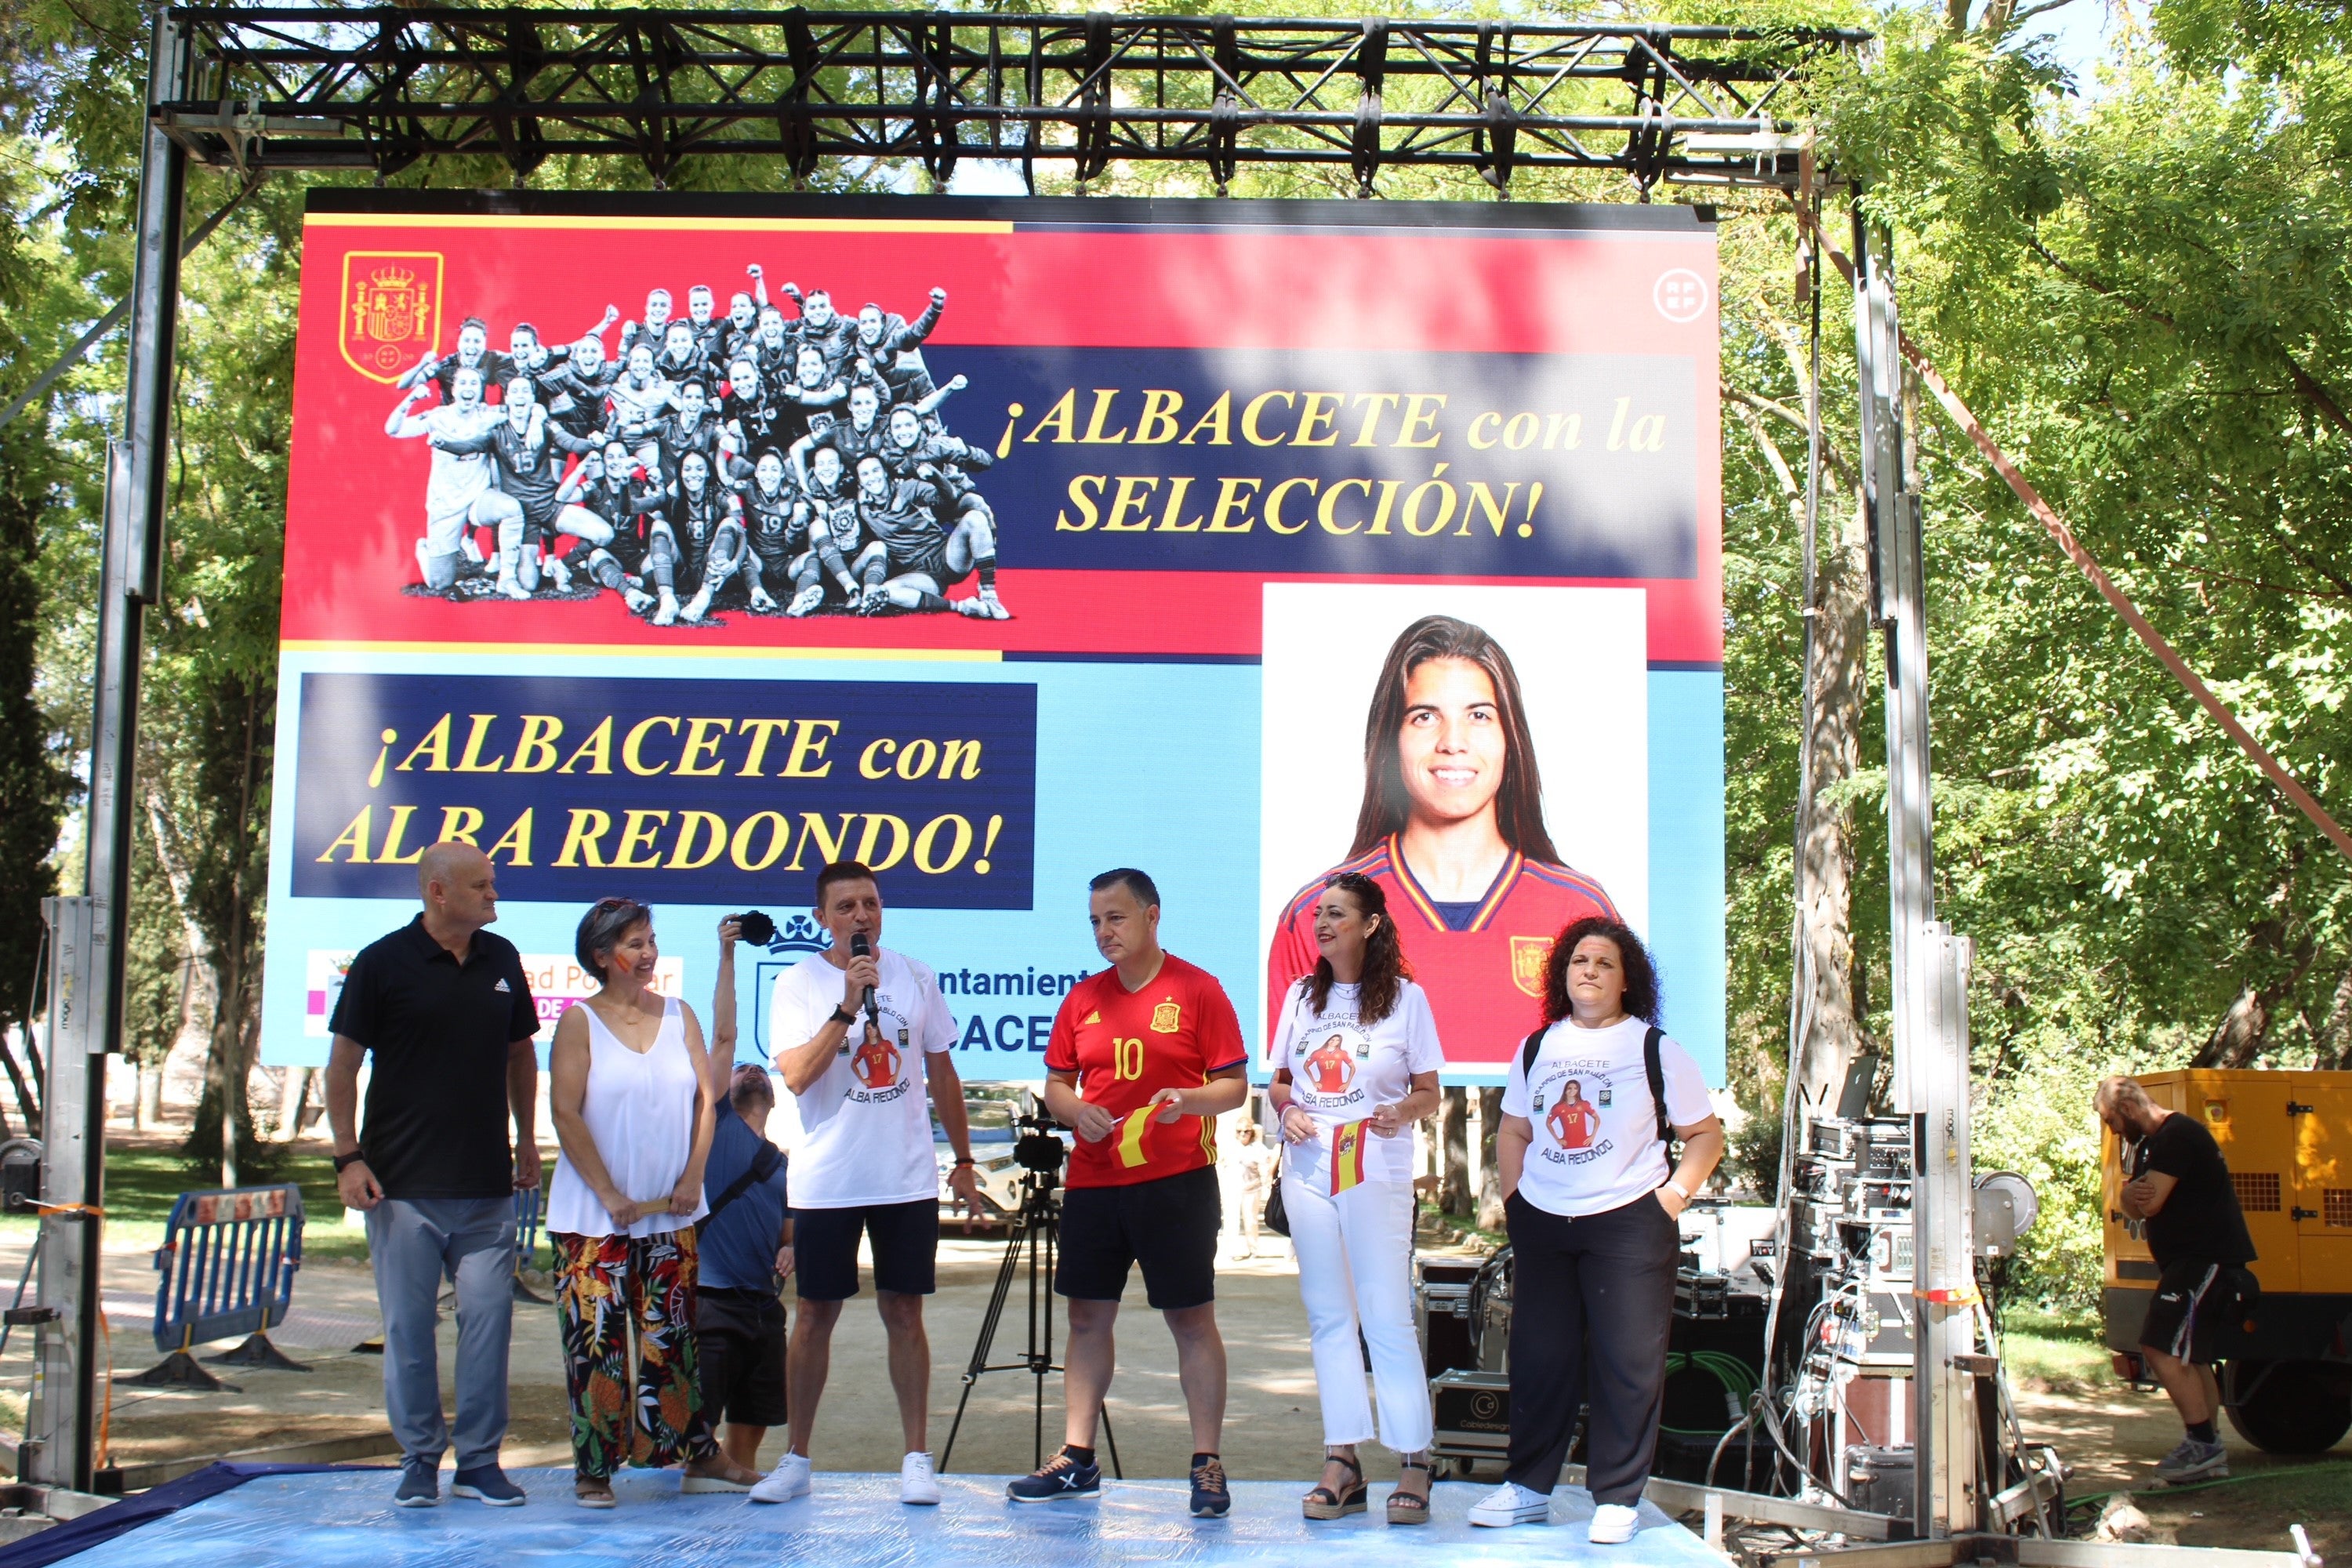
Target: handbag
{"x":1278,"y":1216}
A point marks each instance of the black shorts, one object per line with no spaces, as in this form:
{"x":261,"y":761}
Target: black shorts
{"x":2194,"y":1298}
{"x":1169,"y":1226}
{"x":740,"y":1342}
{"x":906,"y":1239}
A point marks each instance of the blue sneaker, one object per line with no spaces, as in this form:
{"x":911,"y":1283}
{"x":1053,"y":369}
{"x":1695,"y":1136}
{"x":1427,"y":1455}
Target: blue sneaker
{"x":1061,"y":1476}
{"x":420,"y":1486}
{"x":1210,"y":1496}
{"x":487,"y":1484}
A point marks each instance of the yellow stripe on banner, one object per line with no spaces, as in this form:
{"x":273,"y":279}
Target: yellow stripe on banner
{"x":1131,"y":1152}
{"x":635,"y":650}
{"x":661,"y":224}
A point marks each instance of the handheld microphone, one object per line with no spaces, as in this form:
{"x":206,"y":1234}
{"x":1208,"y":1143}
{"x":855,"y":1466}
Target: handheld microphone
{"x":861,"y":948}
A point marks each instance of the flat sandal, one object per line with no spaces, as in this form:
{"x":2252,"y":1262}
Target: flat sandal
{"x":1409,"y":1507}
{"x":1323,"y":1503}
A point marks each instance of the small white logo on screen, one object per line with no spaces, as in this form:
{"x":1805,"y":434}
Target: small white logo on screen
{"x":1680,"y":295}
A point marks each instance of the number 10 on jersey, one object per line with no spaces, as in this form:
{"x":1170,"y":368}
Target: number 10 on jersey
{"x":1126,"y":1058}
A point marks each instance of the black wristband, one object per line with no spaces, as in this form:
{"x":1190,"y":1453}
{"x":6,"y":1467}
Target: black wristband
{"x":967,"y":1159}
{"x":344,"y":1162}
{"x":843,"y":1016}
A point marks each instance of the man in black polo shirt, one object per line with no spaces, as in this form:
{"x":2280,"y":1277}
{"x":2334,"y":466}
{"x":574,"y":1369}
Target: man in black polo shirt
{"x":2179,"y":1187}
{"x":443,"y":1006}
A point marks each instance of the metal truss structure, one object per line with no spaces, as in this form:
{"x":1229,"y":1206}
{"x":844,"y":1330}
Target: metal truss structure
{"x":314,"y":88}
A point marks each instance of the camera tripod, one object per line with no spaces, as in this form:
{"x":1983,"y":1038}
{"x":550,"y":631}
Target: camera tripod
{"x":1030,"y":1240}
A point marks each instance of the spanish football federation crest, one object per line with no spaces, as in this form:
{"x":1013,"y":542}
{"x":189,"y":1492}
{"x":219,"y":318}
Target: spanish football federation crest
{"x":1528,"y":956}
{"x":392,"y":307}
{"x":1165,"y":1018}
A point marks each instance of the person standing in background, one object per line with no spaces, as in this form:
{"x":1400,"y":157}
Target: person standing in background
{"x":1244,"y":1181}
{"x":443,"y":1005}
{"x":746,"y":1242}
{"x":2179,"y":1188}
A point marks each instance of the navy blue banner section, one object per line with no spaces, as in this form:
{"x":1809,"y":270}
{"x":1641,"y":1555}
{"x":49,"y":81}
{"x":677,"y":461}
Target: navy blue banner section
{"x":1455,"y":465}
{"x":707,"y":792}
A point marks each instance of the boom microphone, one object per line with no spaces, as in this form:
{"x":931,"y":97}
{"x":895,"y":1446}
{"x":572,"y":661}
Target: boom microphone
{"x":861,"y":948}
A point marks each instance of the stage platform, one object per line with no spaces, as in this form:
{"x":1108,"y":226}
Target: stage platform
{"x":345,"y":1520}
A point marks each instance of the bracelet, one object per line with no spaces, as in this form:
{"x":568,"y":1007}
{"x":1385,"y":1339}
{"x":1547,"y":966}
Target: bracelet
{"x":967,"y":1159}
{"x":344,"y":1162}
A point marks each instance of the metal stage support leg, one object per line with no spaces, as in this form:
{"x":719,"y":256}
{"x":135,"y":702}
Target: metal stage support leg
{"x":85,"y":1001}
{"x":1028,"y":1249}
{"x":1930,"y":964}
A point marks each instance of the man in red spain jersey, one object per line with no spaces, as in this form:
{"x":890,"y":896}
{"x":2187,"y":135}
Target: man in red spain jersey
{"x":1452,"y":829}
{"x":1143,"y":1059}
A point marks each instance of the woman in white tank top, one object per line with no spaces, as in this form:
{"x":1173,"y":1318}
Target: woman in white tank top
{"x":635,"y":1102}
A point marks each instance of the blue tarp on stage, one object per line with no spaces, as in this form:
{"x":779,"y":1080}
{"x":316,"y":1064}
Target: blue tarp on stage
{"x":345,"y":1520}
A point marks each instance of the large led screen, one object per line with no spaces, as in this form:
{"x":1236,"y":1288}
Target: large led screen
{"x":675,"y":546}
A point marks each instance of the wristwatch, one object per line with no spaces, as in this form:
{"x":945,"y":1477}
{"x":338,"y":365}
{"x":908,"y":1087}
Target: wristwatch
{"x":843,"y":1016}
{"x":343,"y":1162}
{"x":1676,"y":1188}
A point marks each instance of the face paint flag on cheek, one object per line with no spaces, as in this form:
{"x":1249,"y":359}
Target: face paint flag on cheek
{"x":1132,"y":1131}
{"x":1347,"y":1156}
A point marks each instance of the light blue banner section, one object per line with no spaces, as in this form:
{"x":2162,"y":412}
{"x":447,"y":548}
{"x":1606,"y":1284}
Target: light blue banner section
{"x":1686,"y":921}
{"x":1153,"y":765}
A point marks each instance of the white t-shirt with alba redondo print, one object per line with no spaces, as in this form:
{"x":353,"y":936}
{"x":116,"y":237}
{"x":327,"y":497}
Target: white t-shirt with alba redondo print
{"x":1342,"y":1069}
{"x":861,"y":1134}
{"x":1596,"y":1143}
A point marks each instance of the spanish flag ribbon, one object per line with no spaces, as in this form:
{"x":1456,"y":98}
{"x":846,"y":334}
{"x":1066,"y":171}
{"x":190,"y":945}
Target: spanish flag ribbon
{"x":1131,"y":1131}
{"x":1348,"y":1155}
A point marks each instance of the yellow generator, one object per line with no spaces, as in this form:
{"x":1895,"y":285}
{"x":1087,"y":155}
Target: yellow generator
{"x":2285,"y":1368}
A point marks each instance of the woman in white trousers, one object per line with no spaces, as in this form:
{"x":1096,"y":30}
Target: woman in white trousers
{"x":1356,"y":1065}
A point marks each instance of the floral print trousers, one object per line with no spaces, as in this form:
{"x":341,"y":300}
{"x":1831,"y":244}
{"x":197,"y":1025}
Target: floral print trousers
{"x":606,"y":1288}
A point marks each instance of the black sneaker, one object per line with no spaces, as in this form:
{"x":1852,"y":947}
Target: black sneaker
{"x":1210,"y":1496}
{"x":1061,"y":1476}
{"x":420,"y":1486}
{"x":487,"y":1484}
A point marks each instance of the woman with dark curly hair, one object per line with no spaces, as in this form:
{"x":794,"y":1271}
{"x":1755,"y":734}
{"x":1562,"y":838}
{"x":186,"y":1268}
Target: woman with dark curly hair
{"x":1355,"y":1065}
{"x":1593,"y":1199}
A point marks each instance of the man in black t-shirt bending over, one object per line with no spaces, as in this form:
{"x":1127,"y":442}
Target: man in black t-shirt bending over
{"x":2177,"y":1186}
{"x":443,"y":1007}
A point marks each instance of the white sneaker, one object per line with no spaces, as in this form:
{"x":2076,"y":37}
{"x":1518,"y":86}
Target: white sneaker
{"x":918,"y":1483}
{"x":788,"y":1480}
{"x":1511,"y":1503}
{"x":1613,"y":1524}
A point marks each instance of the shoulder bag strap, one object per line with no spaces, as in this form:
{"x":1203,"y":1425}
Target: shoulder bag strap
{"x":764,"y":1165}
{"x":1656,"y":1070}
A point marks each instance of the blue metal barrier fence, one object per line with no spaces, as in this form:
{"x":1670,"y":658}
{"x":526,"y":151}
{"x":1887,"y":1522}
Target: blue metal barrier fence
{"x":228,"y":1262}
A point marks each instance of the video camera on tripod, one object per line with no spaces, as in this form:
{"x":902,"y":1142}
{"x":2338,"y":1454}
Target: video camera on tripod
{"x":1038,"y":1149}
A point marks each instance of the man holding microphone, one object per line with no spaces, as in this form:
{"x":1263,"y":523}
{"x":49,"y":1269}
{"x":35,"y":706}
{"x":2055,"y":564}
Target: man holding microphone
{"x":1143,"y":1059}
{"x":862,"y":1036}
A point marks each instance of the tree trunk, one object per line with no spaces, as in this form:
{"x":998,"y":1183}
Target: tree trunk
{"x":2239,"y":1035}
{"x":1454,"y":1138}
{"x":1829,"y":1033}
{"x":293,"y":1097}
{"x":1490,"y":1172}
{"x":28,"y":1104}
{"x":2335,"y":1038}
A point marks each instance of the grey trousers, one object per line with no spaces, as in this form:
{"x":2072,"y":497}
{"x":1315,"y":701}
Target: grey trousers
{"x":414,"y":1243}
